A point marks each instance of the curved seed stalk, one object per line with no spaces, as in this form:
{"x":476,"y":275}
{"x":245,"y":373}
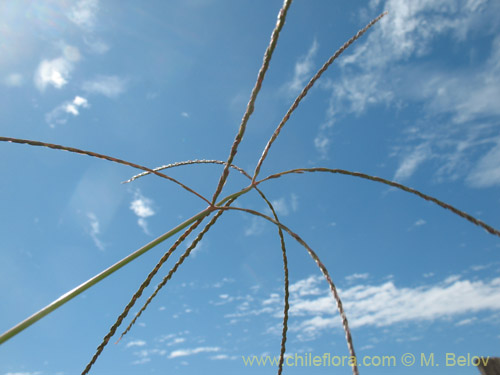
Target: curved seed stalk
{"x":283,"y":249}
{"x":324,"y":270}
{"x":137,"y":294}
{"x":187,"y":162}
{"x":175,"y":267}
{"x":251,"y":104}
{"x":429,"y":198}
{"x":100,"y":156}
{"x":306,"y":89}
{"x":286,"y":283}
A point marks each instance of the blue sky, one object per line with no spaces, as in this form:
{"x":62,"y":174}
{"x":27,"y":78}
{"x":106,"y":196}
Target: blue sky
{"x":415,"y":100}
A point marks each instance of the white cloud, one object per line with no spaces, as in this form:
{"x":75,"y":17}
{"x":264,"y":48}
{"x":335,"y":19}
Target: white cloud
{"x":420,"y":222}
{"x":280,"y":206}
{"x":185,"y":114}
{"x":220,"y":284}
{"x":197,"y":249}
{"x":83,"y":14}
{"x":23,"y":373}
{"x":357,"y":276}
{"x":52,"y":72}
{"x":284,"y":206}
{"x":95,"y":230}
{"x":322,"y":144}
{"x":110,"y":86}
{"x":59,"y":115}
{"x":387,"y":67}
{"x":307,"y":287}
{"x":380,"y":305}
{"x":176,"y":341}
{"x":256,"y":227}
{"x":56,"y":72}
{"x":294,"y":202}
{"x":136,"y":343}
{"x":411,"y":161}
{"x":219,"y":357}
{"x":141,"y":361}
{"x":79,"y":101}
{"x":96,"y":45}
{"x":144,"y":355}
{"x":486,"y":172}
{"x":188,"y":352}
{"x":14,"y":80}
{"x":466,"y":321}
{"x":302,"y":72}
{"x":142,"y":208}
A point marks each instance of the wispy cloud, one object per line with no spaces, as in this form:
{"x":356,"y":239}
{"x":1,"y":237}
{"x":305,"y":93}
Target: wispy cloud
{"x":83,"y":14}
{"x":56,"y":72}
{"x":410,"y":162}
{"x":219,"y":357}
{"x":23,"y":373}
{"x":486,"y":172}
{"x":357,"y":276}
{"x":378,"y":305}
{"x":110,"y":86}
{"x":189,"y":352}
{"x":144,"y":355}
{"x":386,"y":304}
{"x":255,"y":228}
{"x":221,"y":283}
{"x":142,"y":208}
{"x":14,"y":80}
{"x":60,"y":114}
{"x":280,"y":206}
{"x":302,"y":71}
{"x":386,"y":68}
{"x":95,"y":230}
{"x":419,"y":222}
{"x":96,"y":45}
{"x":284,"y":206}
{"x":199,"y":246}
{"x":322,"y":144}
{"x":135,"y":343}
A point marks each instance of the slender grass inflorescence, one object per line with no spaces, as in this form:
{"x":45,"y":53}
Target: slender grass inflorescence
{"x":306,"y":89}
{"x":224,"y":205}
{"x":251,"y":104}
{"x":137,"y":294}
{"x":283,"y":249}
{"x":100,"y":156}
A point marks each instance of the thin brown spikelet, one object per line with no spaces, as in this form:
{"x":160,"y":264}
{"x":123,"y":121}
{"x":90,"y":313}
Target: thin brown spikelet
{"x":324,"y":271}
{"x":251,"y":103}
{"x":365,"y":176}
{"x":306,"y":89}
{"x":100,"y":156}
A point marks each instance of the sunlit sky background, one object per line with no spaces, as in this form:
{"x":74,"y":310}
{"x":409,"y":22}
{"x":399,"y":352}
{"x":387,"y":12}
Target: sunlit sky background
{"x":416,"y":100}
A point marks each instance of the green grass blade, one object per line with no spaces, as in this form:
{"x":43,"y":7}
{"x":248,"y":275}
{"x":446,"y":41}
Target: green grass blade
{"x":96,"y":279}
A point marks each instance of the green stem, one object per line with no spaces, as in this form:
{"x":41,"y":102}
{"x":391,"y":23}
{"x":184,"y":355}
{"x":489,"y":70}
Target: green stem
{"x":94,"y":280}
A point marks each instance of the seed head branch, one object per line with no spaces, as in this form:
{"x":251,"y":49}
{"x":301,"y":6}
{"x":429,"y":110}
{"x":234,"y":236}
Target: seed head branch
{"x":429,"y":198}
{"x":251,"y":104}
{"x":137,"y":294}
{"x":100,"y":156}
{"x":324,"y":270}
{"x":306,"y":90}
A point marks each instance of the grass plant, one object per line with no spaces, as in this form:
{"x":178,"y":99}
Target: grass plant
{"x":217,"y":206}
